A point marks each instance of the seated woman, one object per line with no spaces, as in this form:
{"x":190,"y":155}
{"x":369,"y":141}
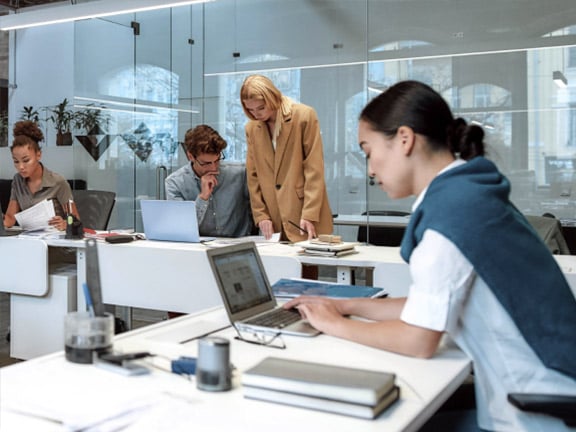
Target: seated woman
{"x":480,"y":272}
{"x":34,"y":182}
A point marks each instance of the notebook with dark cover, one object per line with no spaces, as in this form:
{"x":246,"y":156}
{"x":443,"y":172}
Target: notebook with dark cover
{"x":246,"y":291}
{"x":346,"y":384}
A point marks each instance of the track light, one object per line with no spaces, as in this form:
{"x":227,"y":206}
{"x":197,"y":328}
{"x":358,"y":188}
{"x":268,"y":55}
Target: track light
{"x":80,"y":11}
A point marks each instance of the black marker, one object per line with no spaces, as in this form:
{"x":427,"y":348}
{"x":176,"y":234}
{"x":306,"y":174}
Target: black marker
{"x":298,"y":226}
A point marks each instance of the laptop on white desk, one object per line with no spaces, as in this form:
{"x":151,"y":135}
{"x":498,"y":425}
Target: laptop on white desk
{"x":168,"y":220}
{"x":247,"y":295}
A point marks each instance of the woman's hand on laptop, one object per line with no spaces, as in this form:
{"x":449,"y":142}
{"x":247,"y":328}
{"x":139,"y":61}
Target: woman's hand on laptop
{"x":321,"y":312}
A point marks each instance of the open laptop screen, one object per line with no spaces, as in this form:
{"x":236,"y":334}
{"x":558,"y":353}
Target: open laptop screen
{"x":241,"y":279}
{"x":170,"y":220}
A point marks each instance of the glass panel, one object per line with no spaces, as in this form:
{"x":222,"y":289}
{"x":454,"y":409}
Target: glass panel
{"x":137,"y":87}
{"x":321,"y":65}
{"x":187,"y":65}
{"x":102,"y":49}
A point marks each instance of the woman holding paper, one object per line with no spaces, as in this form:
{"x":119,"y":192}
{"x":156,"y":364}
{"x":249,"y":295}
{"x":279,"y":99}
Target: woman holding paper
{"x":480,"y":273}
{"x":34,"y":182}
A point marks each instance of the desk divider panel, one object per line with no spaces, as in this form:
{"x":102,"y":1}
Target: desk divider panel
{"x":169,"y":276}
{"x":23,"y":266}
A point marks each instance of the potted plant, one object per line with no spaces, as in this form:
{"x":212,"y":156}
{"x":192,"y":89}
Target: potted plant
{"x":62,"y":117}
{"x":90,"y":122}
{"x":30,"y":113}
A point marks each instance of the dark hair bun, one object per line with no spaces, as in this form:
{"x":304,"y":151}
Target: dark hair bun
{"x":28,"y":128}
{"x":466,"y":140}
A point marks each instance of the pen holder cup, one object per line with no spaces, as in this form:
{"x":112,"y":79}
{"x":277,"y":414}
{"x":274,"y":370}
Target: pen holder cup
{"x":213,"y":371}
{"x":86,"y":335}
{"x":74,"y":228}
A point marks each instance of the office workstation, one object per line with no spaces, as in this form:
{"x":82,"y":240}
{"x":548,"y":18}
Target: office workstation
{"x":424,"y":384}
{"x":147,"y":77}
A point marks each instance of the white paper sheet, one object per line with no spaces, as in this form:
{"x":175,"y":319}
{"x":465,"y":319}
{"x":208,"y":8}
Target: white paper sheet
{"x":36,"y":217}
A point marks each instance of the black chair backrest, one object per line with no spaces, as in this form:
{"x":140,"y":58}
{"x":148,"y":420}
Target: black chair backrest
{"x":382,"y":236}
{"x":94,"y":207}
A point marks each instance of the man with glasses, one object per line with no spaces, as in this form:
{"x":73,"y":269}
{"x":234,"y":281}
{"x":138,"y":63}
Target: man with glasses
{"x":219,"y":189}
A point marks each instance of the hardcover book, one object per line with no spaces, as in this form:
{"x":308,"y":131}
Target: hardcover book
{"x":322,"y":404}
{"x":358,"y":386}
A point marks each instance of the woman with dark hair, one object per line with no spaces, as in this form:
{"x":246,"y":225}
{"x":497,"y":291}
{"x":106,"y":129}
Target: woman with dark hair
{"x":480,"y":273}
{"x":34,"y":182}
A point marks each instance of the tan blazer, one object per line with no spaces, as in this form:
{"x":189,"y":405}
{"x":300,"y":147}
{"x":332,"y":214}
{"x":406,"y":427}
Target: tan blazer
{"x":288,"y":184}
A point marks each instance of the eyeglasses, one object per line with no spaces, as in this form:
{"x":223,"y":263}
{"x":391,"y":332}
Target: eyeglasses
{"x":203,"y":164}
{"x":268,"y":340}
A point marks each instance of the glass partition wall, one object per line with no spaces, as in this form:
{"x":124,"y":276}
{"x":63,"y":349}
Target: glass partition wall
{"x":153,"y":75}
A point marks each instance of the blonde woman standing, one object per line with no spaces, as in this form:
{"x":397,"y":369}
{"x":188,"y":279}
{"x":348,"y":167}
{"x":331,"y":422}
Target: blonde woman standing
{"x":284,"y":163}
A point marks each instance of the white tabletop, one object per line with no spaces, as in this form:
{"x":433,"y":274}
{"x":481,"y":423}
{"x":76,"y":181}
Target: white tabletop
{"x":425,"y":384}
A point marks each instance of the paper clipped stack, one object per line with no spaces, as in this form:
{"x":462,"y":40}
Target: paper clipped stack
{"x":337,"y":389}
{"x":327,"y":245}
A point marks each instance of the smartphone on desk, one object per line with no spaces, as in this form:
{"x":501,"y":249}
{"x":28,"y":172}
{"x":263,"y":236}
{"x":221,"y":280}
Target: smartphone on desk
{"x":122,"y":363}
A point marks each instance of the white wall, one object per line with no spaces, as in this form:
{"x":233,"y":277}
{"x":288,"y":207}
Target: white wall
{"x":43,"y":72}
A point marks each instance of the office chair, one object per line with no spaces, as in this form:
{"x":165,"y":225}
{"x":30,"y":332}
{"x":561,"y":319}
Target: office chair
{"x":550,"y":230}
{"x":382,"y":236}
{"x":94,"y":207}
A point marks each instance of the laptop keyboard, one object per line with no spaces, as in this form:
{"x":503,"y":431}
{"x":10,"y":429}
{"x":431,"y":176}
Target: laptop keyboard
{"x":278,"y":318}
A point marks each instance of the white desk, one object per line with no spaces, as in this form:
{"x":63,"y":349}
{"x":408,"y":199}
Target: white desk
{"x":372,"y":220}
{"x":171,"y":276}
{"x":425,"y":384}
{"x":153,"y":275}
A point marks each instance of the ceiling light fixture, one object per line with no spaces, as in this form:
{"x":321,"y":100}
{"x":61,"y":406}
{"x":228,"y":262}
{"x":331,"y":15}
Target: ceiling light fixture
{"x":75,"y":12}
{"x":560,"y":79}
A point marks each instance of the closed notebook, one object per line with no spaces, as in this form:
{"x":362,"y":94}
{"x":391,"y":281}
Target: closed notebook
{"x":289,"y":288}
{"x":326,"y":247}
{"x":322,"y":404}
{"x":359,"y":386}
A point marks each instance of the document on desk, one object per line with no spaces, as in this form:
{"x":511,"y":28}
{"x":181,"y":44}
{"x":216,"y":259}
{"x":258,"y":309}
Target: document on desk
{"x":81,"y":397}
{"x":36,"y":217}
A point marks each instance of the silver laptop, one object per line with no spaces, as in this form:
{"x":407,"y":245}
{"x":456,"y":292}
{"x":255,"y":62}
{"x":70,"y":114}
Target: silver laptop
{"x":170,"y":220}
{"x":247,"y":294}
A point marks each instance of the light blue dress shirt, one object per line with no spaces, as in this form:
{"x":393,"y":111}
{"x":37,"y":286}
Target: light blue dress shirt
{"x":227,"y":212}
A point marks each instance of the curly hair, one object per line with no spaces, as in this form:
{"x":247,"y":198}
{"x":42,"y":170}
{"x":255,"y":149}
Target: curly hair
{"x":203,"y":139}
{"x":27,"y":132}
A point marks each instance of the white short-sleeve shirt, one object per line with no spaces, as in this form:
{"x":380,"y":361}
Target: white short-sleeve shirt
{"x":447,"y":295}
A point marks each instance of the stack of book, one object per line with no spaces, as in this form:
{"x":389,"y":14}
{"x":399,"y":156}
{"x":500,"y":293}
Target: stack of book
{"x":337,"y":389}
{"x":323,"y":248}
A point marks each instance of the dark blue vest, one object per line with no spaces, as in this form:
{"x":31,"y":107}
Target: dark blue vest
{"x":469,"y":205}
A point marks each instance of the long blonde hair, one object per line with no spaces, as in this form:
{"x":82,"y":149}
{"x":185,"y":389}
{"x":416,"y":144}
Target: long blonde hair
{"x":261,"y":88}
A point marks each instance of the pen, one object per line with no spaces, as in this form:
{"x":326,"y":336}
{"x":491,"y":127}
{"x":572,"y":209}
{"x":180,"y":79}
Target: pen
{"x":298,"y":226}
{"x":88,"y":299}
